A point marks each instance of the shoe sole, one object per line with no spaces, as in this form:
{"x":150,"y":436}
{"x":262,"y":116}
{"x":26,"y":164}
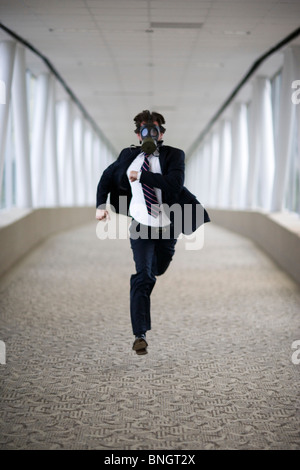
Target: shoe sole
{"x":141,"y":352}
{"x":139,"y":344}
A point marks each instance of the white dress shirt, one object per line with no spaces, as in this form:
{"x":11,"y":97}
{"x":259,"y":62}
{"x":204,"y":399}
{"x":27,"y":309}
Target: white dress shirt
{"x":138,"y":208}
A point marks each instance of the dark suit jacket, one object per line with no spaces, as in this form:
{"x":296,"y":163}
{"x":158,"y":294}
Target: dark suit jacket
{"x":114,"y":181}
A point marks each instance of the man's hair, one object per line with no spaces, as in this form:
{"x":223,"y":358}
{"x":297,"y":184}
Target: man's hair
{"x":147,"y":116}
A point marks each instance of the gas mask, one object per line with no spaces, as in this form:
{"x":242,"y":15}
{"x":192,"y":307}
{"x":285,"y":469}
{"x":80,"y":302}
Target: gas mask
{"x":149,"y":135}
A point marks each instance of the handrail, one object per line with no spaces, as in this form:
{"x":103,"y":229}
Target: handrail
{"x":62,"y":82}
{"x":242,"y":82}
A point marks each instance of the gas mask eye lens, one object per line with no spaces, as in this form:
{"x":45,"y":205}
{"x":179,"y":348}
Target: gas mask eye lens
{"x":144,"y":132}
{"x":153,"y":132}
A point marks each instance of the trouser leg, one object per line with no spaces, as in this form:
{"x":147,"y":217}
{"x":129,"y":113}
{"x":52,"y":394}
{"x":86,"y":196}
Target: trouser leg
{"x":141,"y":284}
{"x":164,"y":251}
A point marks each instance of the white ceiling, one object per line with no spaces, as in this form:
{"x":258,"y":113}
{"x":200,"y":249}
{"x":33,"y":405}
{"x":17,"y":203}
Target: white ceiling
{"x":119,"y":61}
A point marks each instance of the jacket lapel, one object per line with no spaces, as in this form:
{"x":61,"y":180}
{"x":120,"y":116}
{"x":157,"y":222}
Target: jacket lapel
{"x":162,"y":159}
{"x":134,"y":152}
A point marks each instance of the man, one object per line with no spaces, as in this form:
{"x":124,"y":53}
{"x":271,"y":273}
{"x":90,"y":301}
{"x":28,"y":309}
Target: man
{"x":151,"y":179}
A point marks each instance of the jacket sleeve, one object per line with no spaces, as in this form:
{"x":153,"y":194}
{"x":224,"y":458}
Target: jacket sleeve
{"x":104,"y":185}
{"x":172,"y":181}
{"x":106,"y":181}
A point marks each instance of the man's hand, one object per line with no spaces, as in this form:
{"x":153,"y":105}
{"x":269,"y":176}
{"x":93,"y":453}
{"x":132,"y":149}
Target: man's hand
{"x":133,"y":176}
{"x":102,"y":214}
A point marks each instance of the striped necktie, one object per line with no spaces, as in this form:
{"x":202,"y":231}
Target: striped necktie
{"x":149,"y":193}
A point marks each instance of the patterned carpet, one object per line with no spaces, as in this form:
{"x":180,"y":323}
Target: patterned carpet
{"x":219,"y":372}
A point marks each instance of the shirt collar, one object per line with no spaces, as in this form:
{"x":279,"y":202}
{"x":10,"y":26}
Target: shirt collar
{"x":154,"y":154}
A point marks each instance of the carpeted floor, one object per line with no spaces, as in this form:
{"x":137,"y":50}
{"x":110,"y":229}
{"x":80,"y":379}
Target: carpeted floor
{"x":219,"y":373}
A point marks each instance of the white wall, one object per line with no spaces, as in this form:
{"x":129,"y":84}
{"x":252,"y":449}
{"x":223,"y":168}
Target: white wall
{"x":277,"y":234}
{"x":20,"y":236}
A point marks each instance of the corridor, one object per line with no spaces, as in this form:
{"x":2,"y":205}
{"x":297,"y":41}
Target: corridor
{"x":219,"y":373}
{"x":103,"y":101}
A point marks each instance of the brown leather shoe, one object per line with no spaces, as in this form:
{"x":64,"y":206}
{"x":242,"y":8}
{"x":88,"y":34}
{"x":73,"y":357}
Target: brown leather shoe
{"x":139,"y":343}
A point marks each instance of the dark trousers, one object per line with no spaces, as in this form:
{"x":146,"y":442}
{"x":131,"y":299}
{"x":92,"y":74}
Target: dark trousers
{"x":152,"y":256}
